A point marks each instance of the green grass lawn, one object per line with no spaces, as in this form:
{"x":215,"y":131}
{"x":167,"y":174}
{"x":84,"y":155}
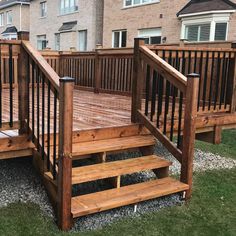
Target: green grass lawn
{"x":211,"y":211}
{"x":227,"y":148}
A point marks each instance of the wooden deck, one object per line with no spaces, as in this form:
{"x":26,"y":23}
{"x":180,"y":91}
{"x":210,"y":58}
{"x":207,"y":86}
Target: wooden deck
{"x":91,"y":110}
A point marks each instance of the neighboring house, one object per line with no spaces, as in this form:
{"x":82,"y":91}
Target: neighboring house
{"x":163,"y":21}
{"x":66,"y":24}
{"x":14,"y":17}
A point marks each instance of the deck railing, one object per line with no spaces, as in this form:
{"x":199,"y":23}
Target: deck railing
{"x":165,"y":101}
{"x":8,"y":80}
{"x":216,"y":68}
{"x":44,"y":114}
{"x":104,"y":70}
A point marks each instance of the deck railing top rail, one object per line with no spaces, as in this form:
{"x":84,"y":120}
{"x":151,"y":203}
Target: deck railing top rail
{"x":43,"y":65}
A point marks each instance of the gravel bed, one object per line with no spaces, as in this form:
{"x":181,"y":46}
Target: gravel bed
{"x":19,"y":182}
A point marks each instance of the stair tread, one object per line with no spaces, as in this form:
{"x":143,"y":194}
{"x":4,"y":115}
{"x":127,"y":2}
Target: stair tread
{"x":117,"y":168}
{"x":113,"y":198}
{"x":113,"y":144}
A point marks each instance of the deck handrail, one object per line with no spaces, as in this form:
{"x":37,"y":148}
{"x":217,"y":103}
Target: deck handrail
{"x":43,"y":93}
{"x":165,"y":101}
{"x":43,"y":65}
{"x":165,"y":69}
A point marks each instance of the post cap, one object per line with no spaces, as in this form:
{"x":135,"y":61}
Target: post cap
{"x":66,"y":79}
{"x":193,"y":75}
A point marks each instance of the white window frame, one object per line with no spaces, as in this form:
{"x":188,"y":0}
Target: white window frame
{"x":86,"y":40}
{"x":2,"y":19}
{"x":42,"y":40}
{"x":57,"y":43}
{"x":120,"y":37}
{"x":44,"y":3}
{"x":142,"y":2}
{"x":9,"y":16}
{"x":211,"y":19}
{"x":73,"y":6}
{"x":150,"y":32}
{"x":10,"y":36}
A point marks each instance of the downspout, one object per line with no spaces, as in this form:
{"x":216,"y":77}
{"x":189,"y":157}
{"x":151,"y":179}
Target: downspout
{"x":20,"y":18}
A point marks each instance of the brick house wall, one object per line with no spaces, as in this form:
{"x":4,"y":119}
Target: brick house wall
{"x":160,"y":14}
{"x":88,"y":17}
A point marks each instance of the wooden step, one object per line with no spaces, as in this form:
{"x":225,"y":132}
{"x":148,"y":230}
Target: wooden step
{"x":105,"y":200}
{"x":114,"y":144}
{"x":117,"y":168}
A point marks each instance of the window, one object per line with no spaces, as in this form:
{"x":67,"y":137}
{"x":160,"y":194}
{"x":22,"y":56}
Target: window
{"x":128,"y":3}
{"x":9,"y":17}
{"x":221,"y":31}
{"x":57,"y":42}
{"x":119,"y":39}
{"x":41,"y":42}
{"x":198,"y":32}
{"x":83,"y":40}
{"x":43,"y":9}
{"x":68,"y":6}
{"x":211,"y":27}
{"x":151,"y":36}
{"x":2,"y":19}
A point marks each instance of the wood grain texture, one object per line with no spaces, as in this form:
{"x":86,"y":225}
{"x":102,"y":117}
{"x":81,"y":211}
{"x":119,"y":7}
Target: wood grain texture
{"x":101,"y":201}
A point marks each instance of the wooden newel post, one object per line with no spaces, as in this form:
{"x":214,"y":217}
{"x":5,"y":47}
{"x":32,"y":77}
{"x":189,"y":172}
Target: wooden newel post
{"x":189,"y":131}
{"x":137,"y":82}
{"x":231,"y":88}
{"x":23,"y":92}
{"x":65,"y":153}
{"x":23,"y":35}
{"x":98,"y":72}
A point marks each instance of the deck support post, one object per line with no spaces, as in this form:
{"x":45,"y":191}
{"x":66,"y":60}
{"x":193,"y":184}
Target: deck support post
{"x":137,"y":83}
{"x":23,"y":91}
{"x":189,"y":131}
{"x":65,"y":153}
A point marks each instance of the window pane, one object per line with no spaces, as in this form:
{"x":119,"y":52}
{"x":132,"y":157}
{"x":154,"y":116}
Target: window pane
{"x":128,"y":2}
{"x":192,"y":33}
{"x":155,"y":40}
{"x":220,"y":33}
{"x":146,"y":40}
{"x":123,"y":39}
{"x":205,"y":32}
{"x":137,"y":1}
{"x":83,"y":40}
{"x":116,"y":39}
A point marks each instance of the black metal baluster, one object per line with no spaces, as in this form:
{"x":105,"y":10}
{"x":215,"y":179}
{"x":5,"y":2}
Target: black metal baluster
{"x":211,"y":83}
{"x":43,"y":115}
{"x":200,"y":80}
{"x":32,"y":94}
{"x":205,"y":81}
{"x":183,"y":62}
{"x":147,"y":89}
{"x":11,"y":85}
{"x":223,"y":78}
{"x":160,"y":97}
{"x":38,"y":111}
{"x":48,"y":126}
{"x":179,"y":139}
{"x":167,"y":99}
{"x":189,"y":61}
{"x":173,"y":114}
{"x":55,"y":135}
{"x":0,"y":86}
{"x":154,"y":92}
{"x":217,"y":80}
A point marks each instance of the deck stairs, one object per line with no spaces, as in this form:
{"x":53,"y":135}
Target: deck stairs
{"x":96,"y":145}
